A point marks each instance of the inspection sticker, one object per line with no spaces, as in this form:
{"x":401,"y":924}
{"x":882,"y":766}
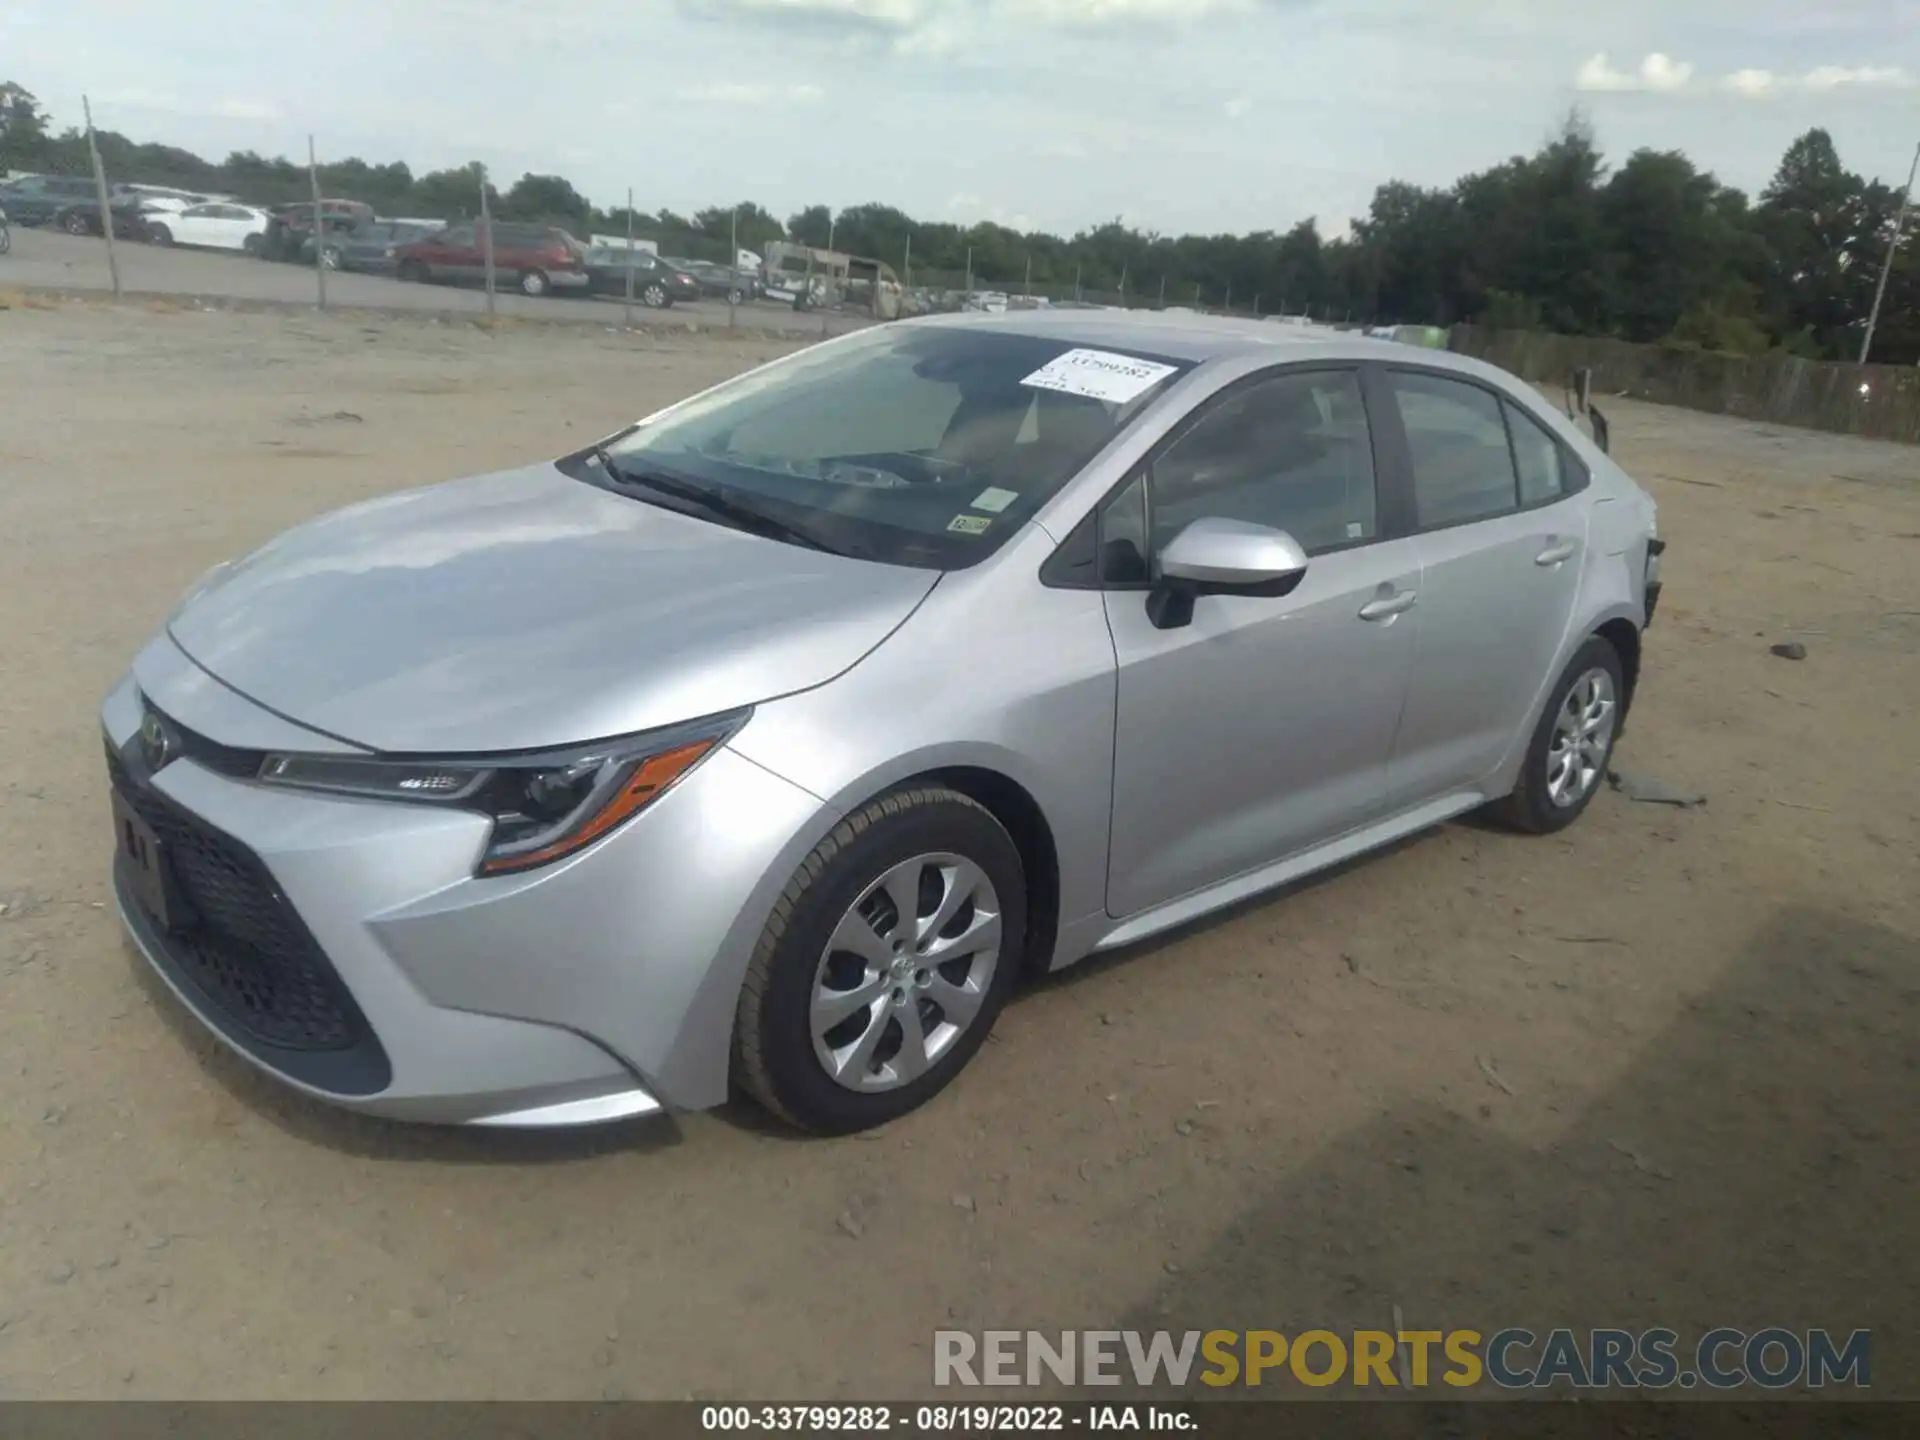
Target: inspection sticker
{"x":970,"y":524}
{"x":993,"y":499}
{"x":1100,"y":375}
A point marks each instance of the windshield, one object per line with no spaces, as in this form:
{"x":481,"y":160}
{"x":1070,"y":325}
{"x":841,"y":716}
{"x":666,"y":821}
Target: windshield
{"x":923,"y":446}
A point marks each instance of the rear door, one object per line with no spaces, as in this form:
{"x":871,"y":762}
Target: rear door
{"x":1502,"y":538}
{"x":1264,"y":726}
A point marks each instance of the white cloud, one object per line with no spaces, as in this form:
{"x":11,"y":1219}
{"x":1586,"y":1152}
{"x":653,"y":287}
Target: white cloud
{"x":1238,"y":106}
{"x":169,"y":104}
{"x":1658,"y":73}
{"x":1109,"y":12}
{"x":1833,"y":77}
{"x":751,"y":96}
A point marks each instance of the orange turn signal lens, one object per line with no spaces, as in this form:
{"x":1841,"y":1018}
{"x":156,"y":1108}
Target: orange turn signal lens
{"x":650,"y":779}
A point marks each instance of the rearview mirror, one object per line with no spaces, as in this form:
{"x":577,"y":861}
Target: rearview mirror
{"x":1217,"y":556}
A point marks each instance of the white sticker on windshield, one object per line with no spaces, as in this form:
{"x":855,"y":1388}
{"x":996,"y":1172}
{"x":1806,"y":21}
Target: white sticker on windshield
{"x":1100,"y":375}
{"x":993,"y":499}
{"x":969,"y":524}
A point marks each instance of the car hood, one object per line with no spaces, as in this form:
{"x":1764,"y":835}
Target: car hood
{"x":528,"y":609}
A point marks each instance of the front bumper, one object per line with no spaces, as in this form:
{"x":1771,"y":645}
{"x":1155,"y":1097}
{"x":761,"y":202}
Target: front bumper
{"x":600,"y":987}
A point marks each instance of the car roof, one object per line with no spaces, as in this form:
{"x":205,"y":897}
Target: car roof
{"x":1199,"y":339}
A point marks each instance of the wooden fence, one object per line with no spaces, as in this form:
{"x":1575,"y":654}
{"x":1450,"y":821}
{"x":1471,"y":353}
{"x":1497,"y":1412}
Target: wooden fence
{"x":1881,"y":402}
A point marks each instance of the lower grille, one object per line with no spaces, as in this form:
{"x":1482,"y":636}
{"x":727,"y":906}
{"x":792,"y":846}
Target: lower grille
{"x":244,"y":947}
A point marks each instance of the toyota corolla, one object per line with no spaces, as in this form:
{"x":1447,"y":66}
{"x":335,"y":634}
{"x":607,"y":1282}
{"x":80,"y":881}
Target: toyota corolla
{"x":769,"y":743}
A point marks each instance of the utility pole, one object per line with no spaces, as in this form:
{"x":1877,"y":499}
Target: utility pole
{"x":906,"y":264}
{"x":1886,"y":269}
{"x":319,"y":226}
{"x":832,"y":221}
{"x":733,"y":267}
{"x":1123,"y":284}
{"x":969,"y":277}
{"x":627,"y":308}
{"x":100,"y":190}
{"x":1076,"y":280}
{"x":1163,"y":290}
{"x":486,"y":237}
{"x":1028,"y":290}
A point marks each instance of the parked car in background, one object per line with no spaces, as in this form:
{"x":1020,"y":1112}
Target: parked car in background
{"x":82,"y":217}
{"x":36,"y":199}
{"x":218,"y":226}
{"x":370,"y":248}
{"x":657,"y":283}
{"x":289,"y":226}
{"x":737,"y":286}
{"x":533,"y":259}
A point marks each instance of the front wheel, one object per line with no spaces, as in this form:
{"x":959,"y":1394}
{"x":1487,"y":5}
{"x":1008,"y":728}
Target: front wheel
{"x":533,"y":282}
{"x":330,"y":258}
{"x":884,"y":964}
{"x":75,"y":222}
{"x":251,"y":245}
{"x":1572,"y":744}
{"x":654,"y":295}
{"x":159,"y":235}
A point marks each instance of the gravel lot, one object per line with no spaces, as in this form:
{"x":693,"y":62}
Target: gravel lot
{"x":1659,"y":1070}
{"x":48,"y":259}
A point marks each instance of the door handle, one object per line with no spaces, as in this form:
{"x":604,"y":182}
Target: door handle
{"x":1388,"y":606}
{"x":1554,"y":554}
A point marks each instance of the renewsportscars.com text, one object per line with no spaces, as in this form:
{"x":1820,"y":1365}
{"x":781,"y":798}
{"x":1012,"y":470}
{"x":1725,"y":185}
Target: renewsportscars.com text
{"x":1511,"y":1359}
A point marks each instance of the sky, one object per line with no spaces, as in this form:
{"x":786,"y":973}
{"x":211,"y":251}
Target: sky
{"x":1174,"y":115}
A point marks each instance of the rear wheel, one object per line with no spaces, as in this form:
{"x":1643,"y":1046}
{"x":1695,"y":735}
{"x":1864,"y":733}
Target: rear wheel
{"x":1572,"y":743}
{"x":6,"y":238}
{"x":736,"y":296}
{"x":413,"y":270}
{"x":330,"y":257}
{"x":159,"y":235}
{"x":533,"y":282}
{"x":884,"y":964}
{"x":74,"y":222}
{"x":252,"y":245}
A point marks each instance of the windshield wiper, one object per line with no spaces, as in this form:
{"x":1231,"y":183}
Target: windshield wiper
{"x":715,"y":503}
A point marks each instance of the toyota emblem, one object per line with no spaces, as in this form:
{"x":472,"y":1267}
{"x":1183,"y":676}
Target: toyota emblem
{"x":156,"y":741}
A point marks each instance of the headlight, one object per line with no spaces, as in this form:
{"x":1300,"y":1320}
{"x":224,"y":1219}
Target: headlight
{"x":543,"y":806}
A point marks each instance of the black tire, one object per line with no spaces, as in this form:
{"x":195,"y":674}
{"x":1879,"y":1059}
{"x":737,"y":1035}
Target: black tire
{"x":330,"y":258}
{"x":773,"y":1055}
{"x":251,"y":245}
{"x":534,"y":283}
{"x":736,"y":296}
{"x":654,"y":296}
{"x":1531,"y":808}
{"x":159,"y":235}
{"x":413,"y":271}
{"x":74,"y":222}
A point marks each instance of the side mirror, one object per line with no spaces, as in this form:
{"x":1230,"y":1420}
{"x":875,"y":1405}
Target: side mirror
{"x":1216,"y":556}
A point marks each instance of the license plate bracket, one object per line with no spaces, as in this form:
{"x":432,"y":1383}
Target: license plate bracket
{"x":144,"y":859}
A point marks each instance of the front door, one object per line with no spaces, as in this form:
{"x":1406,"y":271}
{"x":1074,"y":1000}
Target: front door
{"x":1264,"y":726}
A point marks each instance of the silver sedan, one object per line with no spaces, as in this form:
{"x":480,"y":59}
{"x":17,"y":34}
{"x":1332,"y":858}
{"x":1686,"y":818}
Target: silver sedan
{"x":770,"y":743}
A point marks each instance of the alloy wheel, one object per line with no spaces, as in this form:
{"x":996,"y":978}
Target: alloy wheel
{"x":1582,"y":735}
{"x":905,"y":972}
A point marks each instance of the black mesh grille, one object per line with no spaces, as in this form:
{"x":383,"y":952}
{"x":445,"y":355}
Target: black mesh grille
{"x":242,"y":944}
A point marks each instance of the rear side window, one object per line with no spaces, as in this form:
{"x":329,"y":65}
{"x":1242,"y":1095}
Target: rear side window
{"x":1462,"y":465}
{"x":1539,"y":458}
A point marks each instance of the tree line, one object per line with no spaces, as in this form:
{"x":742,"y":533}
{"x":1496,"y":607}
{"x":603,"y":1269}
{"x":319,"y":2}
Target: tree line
{"x":1653,"y":250}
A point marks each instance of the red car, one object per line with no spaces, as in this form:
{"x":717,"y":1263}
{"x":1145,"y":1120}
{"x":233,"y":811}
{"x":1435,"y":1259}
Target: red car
{"x":534,"y":259}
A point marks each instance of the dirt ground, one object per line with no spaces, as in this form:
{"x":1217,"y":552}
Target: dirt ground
{"x":1662,"y":1069}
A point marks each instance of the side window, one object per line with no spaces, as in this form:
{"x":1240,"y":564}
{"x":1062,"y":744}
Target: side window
{"x":1546,"y":470}
{"x":1462,"y":465}
{"x":1123,"y":536}
{"x":1292,"y":452}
